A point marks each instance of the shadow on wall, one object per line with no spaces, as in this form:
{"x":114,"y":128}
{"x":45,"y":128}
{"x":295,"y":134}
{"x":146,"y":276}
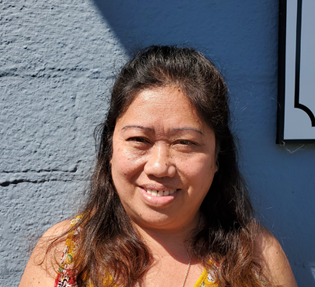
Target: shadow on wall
{"x":207,"y":25}
{"x":140,"y":23}
{"x":241,"y":39}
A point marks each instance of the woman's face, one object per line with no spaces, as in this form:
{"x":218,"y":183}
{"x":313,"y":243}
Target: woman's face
{"x":163,"y":159}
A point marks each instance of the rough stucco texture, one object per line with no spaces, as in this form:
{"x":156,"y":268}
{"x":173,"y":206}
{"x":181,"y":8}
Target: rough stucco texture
{"x":56,"y":63}
{"x":58,"y":59}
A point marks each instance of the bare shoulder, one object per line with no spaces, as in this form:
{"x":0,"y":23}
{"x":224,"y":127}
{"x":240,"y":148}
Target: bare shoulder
{"x":41,"y":267}
{"x":273,"y":259}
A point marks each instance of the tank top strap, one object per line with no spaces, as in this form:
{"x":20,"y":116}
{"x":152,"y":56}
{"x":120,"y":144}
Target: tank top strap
{"x":66,"y":276}
{"x":207,"y":278}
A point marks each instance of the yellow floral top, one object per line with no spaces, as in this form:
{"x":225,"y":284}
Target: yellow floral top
{"x":66,"y":277}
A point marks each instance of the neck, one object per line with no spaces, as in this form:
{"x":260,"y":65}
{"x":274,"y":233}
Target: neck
{"x":169,"y":242}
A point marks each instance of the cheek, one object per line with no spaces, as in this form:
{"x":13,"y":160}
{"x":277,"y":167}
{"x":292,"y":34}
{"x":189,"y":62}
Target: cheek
{"x":197,"y":167}
{"x":199,"y":173}
{"x":124,"y":164}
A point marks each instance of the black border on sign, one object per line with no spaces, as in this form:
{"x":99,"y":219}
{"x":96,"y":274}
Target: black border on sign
{"x":281,"y":73}
{"x":281,"y":70}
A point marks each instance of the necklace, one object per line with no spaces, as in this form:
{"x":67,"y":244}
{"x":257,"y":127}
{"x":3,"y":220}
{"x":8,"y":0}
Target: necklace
{"x":187,"y":271}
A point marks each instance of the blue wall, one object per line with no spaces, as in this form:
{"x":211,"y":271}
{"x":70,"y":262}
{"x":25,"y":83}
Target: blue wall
{"x":58,"y":59}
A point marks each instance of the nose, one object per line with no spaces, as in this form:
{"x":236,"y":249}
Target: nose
{"x":159,"y":162}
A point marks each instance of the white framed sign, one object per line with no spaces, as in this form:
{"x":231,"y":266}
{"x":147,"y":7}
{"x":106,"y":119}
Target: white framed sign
{"x":296,"y":75}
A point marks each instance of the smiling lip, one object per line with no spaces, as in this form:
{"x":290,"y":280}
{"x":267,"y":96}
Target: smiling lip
{"x":158,"y":196}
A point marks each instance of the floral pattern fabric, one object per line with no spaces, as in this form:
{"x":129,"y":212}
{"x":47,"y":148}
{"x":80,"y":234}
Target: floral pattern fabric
{"x":66,"y":276}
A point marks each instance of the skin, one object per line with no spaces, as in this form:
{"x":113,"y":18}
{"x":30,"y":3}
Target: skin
{"x":273,"y":260}
{"x":45,"y":274}
{"x":160,"y":143}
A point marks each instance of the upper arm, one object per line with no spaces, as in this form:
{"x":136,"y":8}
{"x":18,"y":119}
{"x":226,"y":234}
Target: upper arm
{"x":273,"y":260}
{"x":41,"y":267}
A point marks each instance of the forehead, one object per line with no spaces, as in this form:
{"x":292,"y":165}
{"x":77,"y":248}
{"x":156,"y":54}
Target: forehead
{"x":168,"y":106}
{"x":166,"y":98}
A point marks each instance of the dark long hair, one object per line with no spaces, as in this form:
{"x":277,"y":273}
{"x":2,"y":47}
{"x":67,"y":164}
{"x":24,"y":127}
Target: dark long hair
{"x":108,"y":242}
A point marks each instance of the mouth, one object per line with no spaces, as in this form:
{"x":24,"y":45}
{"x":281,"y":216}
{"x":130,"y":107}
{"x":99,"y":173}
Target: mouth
{"x":160,"y":193}
{"x":158,"y":196}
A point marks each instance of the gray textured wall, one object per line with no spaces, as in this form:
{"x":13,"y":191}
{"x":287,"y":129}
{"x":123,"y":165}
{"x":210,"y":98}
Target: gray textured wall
{"x":57,"y":62}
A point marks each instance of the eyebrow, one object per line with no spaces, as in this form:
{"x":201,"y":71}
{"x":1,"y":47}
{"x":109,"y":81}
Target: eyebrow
{"x":187,"y":129}
{"x":137,"y":127}
{"x":172,"y":131}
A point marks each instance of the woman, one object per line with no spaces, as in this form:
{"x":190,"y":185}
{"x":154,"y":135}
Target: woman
{"x":167,"y":204}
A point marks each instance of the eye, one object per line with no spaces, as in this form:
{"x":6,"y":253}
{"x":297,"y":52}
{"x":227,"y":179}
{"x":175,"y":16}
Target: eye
{"x":185,"y":145}
{"x":186,"y":142}
{"x":138,"y":140}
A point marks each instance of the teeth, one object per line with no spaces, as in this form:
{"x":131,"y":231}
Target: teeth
{"x":159,"y":193}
